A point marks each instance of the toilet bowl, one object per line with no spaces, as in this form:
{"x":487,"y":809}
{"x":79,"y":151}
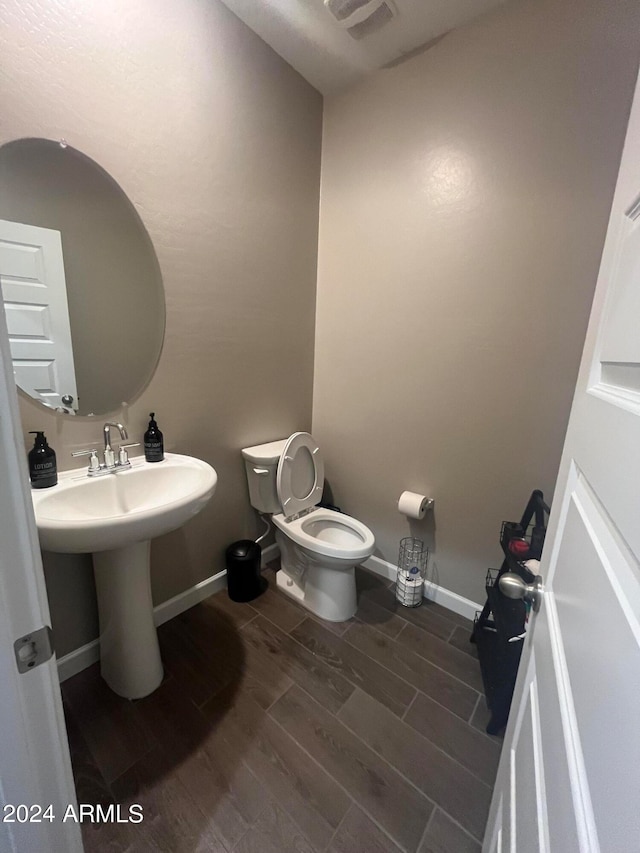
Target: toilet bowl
{"x":319,"y":547}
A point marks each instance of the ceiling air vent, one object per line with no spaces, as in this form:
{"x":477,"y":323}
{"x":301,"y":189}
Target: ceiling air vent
{"x":361,"y":18}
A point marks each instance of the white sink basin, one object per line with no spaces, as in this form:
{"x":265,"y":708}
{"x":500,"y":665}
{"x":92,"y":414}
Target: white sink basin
{"x":87,"y":514}
{"x":115,"y":516}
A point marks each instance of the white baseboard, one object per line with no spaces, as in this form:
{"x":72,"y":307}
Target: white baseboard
{"x":451,"y":600}
{"x":79,"y":659}
{"x":189,"y":598}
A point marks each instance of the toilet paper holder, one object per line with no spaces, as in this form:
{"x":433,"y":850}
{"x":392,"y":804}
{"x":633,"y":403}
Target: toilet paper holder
{"x":414,"y":505}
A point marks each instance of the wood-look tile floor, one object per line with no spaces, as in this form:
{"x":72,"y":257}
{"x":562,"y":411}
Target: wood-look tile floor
{"x":275,"y":732}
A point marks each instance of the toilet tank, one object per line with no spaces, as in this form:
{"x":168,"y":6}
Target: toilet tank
{"x":261,"y":465}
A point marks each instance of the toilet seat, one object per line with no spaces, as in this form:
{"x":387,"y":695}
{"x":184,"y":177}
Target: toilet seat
{"x":329,"y":533}
{"x":300,"y":474}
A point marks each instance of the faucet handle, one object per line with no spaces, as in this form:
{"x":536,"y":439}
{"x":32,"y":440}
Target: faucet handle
{"x":94,"y":462}
{"x":123,"y":456}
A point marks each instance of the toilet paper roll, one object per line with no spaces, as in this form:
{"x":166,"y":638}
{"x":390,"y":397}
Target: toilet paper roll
{"x":413,"y":505}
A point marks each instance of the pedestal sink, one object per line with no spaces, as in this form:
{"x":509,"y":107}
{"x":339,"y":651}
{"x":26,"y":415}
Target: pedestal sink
{"x":114,"y":517}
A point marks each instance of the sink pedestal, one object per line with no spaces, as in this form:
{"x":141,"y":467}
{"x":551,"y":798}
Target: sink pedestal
{"x":129,"y":652}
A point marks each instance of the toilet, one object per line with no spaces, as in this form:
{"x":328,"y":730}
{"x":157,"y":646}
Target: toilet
{"x":319,"y":548}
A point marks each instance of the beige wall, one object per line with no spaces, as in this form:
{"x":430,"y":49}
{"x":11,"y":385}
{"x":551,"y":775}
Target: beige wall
{"x":464,"y":201}
{"x":217,"y":143}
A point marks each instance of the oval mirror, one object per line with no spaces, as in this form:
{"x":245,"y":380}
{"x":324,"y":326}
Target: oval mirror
{"x":80,"y":280}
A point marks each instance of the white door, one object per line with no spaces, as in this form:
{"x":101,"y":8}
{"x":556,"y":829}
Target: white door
{"x":35,"y":770}
{"x":35,"y":301}
{"x":569,"y":776}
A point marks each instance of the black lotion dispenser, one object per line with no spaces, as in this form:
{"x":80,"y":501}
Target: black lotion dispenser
{"x":43,"y":469}
{"x":153,"y":442}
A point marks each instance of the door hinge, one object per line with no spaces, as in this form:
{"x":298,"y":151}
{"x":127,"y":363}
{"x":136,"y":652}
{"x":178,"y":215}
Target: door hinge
{"x":34,"y":648}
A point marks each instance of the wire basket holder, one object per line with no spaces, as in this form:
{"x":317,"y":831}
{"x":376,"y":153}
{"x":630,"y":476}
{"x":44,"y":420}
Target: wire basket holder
{"x":412,"y":570}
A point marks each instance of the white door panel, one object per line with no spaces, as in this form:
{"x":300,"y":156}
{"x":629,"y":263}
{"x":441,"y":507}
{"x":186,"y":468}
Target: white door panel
{"x":569,"y":774}
{"x":595,"y":592}
{"x":35,"y":768}
{"x":558,"y":792}
{"x":35,"y":298}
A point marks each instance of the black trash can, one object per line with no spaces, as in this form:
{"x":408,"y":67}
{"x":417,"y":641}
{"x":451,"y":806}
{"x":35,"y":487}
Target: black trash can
{"x":244,"y":580}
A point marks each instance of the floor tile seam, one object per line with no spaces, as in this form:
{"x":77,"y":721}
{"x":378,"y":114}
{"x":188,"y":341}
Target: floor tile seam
{"x":186,"y":795}
{"x":360,"y":621}
{"x":415,"y":625}
{"x":353,"y":682}
{"x":315,"y":762}
{"x":426,"y":829}
{"x":353,"y":799}
{"x":295,"y":681}
{"x":460,"y":826}
{"x":250,"y":826}
{"x":439,"y":666}
{"x":472,"y":714}
{"x":468,"y":654}
{"x":227,"y":793}
{"x":204,"y":681}
{"x":253,"y":618}
{"x":320,"y":621}
{"x":268,"y":798}
{"x":287,"y":673}
{"x":107,"y":785}
{"x":85,"y":830}
{"x":275,"y":624}
{"x":438,"y":616}
{"x":468,"y":623}
{"x":491,"y":738}
{"x":315,"y":655}
{"x":338,"y":827}
{"x":277,"y":698}
{"x":156,"y":746}
{"x":444,"y":707}
{"x":401,"y":774}
{"x":207,"y":817}
{"x":407,"y":709}
{"x":448,"y":754}
{"x":378,"y":826}
{"x":464,"y":652}
{"x":425,"y":630}
{"x":198,"y":651}
{"x":281,"y":804}
{"x":345,"y":637}
{"x":85,"y":742}
{"x":294,"y":820}
{"x":238,"y":672}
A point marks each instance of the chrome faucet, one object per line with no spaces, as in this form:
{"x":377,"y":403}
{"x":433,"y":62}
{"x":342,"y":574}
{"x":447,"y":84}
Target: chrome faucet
{"x":109,"y":455}
{"x":110,"y":464}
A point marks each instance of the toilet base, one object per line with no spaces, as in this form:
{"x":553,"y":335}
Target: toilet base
{"x":324,"y":585}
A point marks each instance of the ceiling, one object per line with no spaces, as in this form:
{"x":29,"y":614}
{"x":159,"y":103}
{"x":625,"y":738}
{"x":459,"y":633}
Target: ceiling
{"x":333,"y":54}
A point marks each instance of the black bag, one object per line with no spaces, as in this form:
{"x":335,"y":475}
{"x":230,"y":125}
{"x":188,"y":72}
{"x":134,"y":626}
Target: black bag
{"x":499,"y":629}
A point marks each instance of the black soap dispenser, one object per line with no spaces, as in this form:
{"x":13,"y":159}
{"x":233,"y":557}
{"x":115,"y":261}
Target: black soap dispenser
{"x":43,"y":470}
{"x":153,"y":442}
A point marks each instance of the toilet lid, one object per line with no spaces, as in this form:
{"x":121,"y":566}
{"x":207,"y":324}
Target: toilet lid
{"x":300,"y":477}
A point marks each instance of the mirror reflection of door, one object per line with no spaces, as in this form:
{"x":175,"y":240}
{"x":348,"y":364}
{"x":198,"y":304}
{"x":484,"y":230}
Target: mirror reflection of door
{"x":35,"y":299}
